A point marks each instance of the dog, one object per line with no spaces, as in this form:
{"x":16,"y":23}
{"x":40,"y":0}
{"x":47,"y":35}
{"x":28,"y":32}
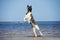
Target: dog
{"x":29,"y":18}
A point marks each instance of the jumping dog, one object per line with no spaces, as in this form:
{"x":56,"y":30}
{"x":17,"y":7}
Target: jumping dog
{"x":29,"y":18}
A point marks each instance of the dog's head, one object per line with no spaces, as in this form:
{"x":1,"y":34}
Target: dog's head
{"x":28,"y":14}
{"x":29,"y":8}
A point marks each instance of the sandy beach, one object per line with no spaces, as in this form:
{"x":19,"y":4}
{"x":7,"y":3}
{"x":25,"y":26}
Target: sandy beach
{"x":15,"y":37}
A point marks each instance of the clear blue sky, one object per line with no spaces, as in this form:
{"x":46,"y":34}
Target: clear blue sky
{"x":43,"y":10}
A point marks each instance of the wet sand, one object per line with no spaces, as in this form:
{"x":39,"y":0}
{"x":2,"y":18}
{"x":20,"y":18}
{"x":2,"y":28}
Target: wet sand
{"x":15,"y":37}
{"x":28,"y":35}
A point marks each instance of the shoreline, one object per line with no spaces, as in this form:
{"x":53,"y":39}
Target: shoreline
{"x":21,"y":36}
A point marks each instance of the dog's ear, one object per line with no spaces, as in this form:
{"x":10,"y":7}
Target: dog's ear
{"x":27,"y":6}
{"x":30,"y":7}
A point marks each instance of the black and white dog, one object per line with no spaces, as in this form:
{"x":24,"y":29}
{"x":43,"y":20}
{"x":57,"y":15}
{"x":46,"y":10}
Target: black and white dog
{"x":29,"y":18}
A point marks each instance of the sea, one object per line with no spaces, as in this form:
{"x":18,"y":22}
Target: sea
{"x":18,"y":30}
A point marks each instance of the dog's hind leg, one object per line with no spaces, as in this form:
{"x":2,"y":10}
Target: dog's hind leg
{"x":38,"y":30}
{"x":40,"y":33}
{"x":34,"y":31}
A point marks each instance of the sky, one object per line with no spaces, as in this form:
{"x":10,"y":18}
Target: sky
{"x":42,"y":10}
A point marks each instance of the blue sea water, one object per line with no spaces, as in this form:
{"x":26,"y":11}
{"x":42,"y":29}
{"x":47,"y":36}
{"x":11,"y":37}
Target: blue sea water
{"x":48,"y":28}
{"x":24,"y":28}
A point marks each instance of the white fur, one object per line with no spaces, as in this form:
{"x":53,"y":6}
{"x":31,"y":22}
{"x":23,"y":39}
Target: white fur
{"x":34,"y":30}
{"x":28,"y":17}
{"x":36,"y":27}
